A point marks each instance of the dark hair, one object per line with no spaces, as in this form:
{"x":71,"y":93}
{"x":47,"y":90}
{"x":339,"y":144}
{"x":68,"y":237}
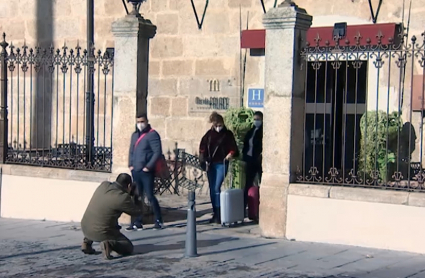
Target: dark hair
{"x":124,"y":179}
{"x":216,"y":118}
{"x":258,"y":113}
{"x":142,"y":115}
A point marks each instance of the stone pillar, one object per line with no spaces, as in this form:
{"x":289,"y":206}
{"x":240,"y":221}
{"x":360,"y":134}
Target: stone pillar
{"x":132,"y":34}
{"x":286,"y":28}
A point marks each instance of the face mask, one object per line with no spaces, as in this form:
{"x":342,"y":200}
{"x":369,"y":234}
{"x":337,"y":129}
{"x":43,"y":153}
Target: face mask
{"x":258,"y":123}
{"x":141,"y":126}
{"x":218,"y":128}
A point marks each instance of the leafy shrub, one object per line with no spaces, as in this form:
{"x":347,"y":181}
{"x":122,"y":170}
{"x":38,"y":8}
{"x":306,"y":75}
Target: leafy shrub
{"x":378,"y":143}
{"x":239,"y":121}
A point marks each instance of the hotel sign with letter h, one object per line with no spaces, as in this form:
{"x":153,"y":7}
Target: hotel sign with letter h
{"x":256,"y":98}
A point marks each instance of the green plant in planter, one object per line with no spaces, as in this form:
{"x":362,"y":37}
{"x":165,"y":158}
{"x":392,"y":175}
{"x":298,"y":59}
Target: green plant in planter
{"x":239,"y":121}
{"x":378,"y":143}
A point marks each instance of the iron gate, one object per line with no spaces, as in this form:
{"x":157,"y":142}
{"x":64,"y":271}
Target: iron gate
{"x":49,"y":116}
{"x":363,"y":123}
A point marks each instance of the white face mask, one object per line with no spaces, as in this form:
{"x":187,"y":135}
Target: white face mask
{"x":141,"y":126}
{"x":258,"y":123}
{"x":218,"y":128}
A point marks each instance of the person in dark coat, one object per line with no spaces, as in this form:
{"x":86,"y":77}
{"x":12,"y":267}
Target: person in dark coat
{"x":100,"y":220}
{"x":253,"y":153}
{"x":217,"y":147}
{"x":145,"y":151}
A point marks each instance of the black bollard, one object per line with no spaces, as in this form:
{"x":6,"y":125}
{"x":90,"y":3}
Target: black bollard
{"x":191,"y":246}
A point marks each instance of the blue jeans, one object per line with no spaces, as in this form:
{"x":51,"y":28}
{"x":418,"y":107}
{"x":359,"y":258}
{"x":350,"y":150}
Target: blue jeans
{"x":216,"y":174}
{"x":145,"y":185}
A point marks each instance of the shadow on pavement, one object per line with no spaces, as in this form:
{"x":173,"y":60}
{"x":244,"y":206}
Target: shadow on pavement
{"x":40,"y":252}
{"x":147,"y":248}
{"x":173,"y":215}
{"x":207,"y":222}
{"x":168,"y":235}
{"x":236,"y":249}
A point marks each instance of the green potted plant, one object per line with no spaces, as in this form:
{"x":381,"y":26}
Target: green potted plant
{"x":378,"y":143}
{"x":239,"y":121}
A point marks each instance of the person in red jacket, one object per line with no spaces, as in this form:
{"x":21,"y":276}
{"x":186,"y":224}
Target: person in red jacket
{"x":217,"y":147}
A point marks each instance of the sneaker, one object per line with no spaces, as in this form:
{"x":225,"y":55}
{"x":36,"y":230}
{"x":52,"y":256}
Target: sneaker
{"x":106,"y":250}
{"x":130,"y":228}
{"x":138,"y":227}
{"x":158,"y":225}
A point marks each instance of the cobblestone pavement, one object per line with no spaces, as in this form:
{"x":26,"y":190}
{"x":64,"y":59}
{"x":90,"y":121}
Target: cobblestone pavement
{"x":51,"y":249}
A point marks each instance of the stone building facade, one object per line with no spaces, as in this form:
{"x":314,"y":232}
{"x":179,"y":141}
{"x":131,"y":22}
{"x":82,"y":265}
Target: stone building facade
{"x":185,"y":61}
{"x":188,"y":65}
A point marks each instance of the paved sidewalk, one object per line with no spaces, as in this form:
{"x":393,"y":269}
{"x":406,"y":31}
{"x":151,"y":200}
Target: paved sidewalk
{"x":51,"y":249}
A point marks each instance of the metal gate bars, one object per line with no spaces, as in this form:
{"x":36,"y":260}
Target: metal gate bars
{"x":46,"y":101}
{"x":364,"y":120}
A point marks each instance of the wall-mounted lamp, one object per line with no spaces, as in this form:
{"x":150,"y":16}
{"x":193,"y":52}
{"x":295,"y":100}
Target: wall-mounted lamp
{"x":110,"y":51}
{"x":340,"y":30}
{"x":136,"y":6}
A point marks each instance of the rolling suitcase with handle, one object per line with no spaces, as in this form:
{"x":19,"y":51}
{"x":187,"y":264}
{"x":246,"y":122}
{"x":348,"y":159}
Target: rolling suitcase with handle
{"x":232,"y":205}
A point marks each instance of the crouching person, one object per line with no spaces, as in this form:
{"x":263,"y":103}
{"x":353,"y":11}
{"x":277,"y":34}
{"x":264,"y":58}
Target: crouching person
{"x":100,"y":221}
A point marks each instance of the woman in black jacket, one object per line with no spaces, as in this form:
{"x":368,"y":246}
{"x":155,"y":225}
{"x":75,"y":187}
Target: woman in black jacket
{"x":217,"y":147}
{"x":253,"y":153}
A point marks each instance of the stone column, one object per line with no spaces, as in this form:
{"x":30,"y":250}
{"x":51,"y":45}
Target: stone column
{"x":286,"y":28}
{"x":132,"y":34}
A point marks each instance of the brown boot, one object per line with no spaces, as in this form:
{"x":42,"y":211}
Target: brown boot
{"x":106,"y":250}
{"x":87,"y":249}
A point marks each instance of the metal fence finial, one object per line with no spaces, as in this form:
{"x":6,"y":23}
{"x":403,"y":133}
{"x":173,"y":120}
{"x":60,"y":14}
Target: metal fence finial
{"x":4,"y":44}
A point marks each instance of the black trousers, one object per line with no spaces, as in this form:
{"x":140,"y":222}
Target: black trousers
{"x":252,"y":168}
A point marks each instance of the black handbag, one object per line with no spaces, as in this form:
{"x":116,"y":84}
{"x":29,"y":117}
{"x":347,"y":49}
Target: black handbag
{"x":205,"y":161}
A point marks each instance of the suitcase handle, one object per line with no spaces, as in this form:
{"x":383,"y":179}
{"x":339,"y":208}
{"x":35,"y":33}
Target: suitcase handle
{"x":231,"y":174}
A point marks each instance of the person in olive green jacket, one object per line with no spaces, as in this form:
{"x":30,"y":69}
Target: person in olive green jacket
{"x":100,"y":221}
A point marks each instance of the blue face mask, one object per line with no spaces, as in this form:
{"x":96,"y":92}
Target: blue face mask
{"x":258,"y":123}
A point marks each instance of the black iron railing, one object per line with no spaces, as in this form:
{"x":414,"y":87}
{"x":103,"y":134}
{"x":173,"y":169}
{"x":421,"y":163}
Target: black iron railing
{"x":363,"y":123}
{"x":186,"y":172}
{"x":50,"y":115}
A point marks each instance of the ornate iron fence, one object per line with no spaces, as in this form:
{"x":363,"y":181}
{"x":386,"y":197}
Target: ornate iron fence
{"x":51,"y":112}
{"x":364,"y":119}
{"x":186,"y":172}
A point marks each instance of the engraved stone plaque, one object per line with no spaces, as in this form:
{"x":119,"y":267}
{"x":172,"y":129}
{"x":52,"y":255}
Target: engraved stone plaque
{"x":214,"y":95}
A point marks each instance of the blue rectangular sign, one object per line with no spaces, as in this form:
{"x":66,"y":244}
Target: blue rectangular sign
{"x":256,"y":98}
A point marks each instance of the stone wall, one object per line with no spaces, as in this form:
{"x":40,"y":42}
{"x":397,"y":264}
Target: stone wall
{"x":184,"y":60}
